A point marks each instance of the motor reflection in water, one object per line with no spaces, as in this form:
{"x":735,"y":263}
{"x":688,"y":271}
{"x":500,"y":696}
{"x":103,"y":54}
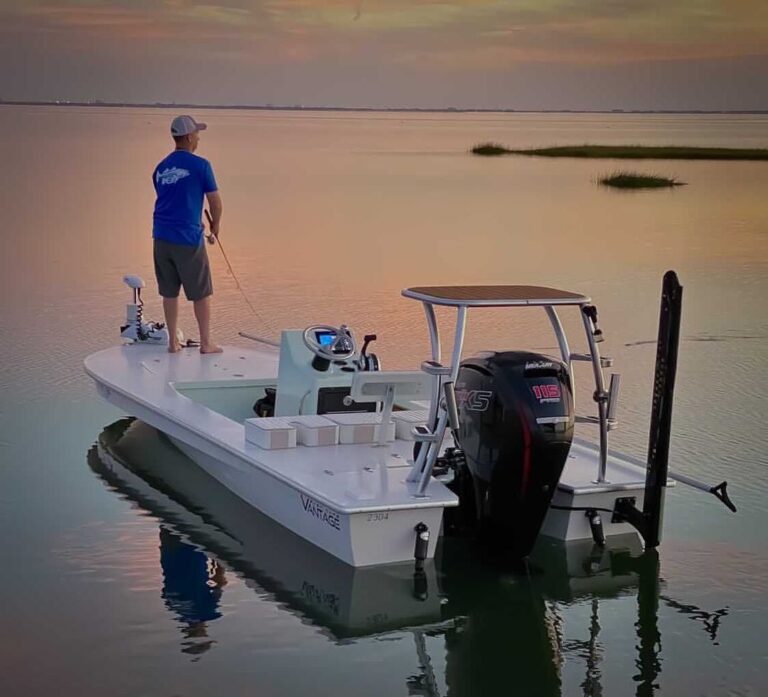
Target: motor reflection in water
{"x":500,"y":627}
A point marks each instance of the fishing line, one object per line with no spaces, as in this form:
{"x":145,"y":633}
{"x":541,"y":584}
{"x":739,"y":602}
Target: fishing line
{"x":212,"y":239}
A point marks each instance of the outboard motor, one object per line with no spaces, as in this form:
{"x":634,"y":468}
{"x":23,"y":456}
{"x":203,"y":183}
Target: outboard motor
{"x":515,"y":428}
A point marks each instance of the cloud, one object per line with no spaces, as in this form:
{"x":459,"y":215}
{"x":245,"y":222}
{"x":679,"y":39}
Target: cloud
{"x":219,"y":15}
{"x":559,"y":29}
{"x":282,"y":41}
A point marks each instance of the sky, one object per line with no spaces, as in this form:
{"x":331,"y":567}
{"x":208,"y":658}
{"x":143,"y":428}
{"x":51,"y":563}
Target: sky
{"x":507,"y":54}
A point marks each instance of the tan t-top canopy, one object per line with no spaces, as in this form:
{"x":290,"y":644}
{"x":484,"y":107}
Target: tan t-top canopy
{"x":494,"y":296}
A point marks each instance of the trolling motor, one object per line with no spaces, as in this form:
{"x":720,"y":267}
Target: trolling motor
{"x":135,"y":328}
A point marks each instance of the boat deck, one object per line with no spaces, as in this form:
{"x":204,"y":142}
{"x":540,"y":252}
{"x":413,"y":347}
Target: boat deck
{"x":580,"y":473}
{"x":146,"y":380}
{"x":350,"y":478}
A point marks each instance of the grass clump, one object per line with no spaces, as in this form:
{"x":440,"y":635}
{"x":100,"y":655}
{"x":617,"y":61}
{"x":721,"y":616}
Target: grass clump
{"x":635,"y":180}
{"x":629,"y":152}
{"x":490,"y":149}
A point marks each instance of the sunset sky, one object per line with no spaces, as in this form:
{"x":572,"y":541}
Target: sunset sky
{"x":514,"y":54}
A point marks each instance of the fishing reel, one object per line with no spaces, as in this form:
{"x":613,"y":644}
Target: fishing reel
{"x":135,"y":328}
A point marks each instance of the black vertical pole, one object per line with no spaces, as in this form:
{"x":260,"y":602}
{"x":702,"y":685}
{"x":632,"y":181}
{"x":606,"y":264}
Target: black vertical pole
{"x":648,"y":635}
{"x":661,"y":409}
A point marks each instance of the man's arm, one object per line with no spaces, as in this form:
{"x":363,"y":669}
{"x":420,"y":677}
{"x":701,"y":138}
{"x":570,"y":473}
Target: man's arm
{"x":216,"y":208}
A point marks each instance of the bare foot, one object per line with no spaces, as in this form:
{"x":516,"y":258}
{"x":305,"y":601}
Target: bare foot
{"x":174,"y":348}
{"x":211,"y":348}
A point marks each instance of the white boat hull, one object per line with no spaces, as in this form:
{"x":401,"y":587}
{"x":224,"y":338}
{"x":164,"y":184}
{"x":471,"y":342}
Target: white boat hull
{"x":353,"y":501}
{"x":363,"y":512}
{"x":578,"y":490}
{"x":360,"y":539}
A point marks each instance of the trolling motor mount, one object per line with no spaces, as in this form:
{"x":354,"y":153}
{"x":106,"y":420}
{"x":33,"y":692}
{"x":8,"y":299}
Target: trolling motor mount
{"x":135,"y":329}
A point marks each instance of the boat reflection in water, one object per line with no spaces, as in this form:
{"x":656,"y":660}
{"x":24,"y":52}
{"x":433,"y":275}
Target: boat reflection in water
{"x":499,"y":628}
{"x":205,"y":530}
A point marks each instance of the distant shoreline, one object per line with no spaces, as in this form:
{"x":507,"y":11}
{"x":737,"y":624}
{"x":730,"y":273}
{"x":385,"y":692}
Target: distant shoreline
{"x":447,"y":110}
{"x":627,"y":152}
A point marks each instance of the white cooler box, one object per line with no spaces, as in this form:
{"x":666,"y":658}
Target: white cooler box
{"x":315,"y":430}
{"x":360,"y":427}
{"x":270,"y":432}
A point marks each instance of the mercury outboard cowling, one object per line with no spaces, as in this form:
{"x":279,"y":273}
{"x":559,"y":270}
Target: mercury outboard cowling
{"x":515,"y":428}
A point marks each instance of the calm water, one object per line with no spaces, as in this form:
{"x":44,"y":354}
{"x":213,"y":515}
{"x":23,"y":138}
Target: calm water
{"x":120,"y":578}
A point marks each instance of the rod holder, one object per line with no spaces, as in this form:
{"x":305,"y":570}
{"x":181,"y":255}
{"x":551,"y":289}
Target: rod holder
{"x":613,"y":396}
{"x":451,"y":407}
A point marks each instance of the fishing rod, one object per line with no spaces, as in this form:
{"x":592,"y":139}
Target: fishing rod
{"x":212,"y":239}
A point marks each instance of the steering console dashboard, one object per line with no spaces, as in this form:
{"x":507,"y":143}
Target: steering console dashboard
{"x":330,"y":339}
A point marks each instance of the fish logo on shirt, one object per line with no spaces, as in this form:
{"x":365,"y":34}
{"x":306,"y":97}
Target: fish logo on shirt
{"x":171,"y":175}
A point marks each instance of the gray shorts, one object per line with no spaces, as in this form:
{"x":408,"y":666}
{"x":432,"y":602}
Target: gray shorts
{"x":179,"y":265}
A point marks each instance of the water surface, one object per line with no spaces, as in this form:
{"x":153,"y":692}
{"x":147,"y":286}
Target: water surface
{"x":111,"y":589}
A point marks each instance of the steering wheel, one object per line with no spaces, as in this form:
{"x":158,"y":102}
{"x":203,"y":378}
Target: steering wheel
{"x":327,"y":351}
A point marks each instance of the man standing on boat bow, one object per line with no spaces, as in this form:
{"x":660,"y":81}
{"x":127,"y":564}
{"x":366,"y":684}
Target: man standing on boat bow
{"x":182,"y":180}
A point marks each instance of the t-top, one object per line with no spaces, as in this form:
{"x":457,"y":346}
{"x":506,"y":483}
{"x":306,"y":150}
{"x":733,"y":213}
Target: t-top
{"x":181,"y":180}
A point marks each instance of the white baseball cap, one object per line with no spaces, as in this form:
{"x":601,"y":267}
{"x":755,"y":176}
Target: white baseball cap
{"x":184,"y":125}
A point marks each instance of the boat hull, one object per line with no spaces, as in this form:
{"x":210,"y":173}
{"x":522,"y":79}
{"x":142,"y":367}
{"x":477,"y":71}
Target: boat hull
{"x":379,"y":537}
{"x":353,"y":501}
{"x":376,"y":513}
{"x":360,"y":539}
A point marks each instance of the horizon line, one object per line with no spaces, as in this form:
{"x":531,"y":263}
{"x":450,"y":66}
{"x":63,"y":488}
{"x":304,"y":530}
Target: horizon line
{"x":302,"y":107}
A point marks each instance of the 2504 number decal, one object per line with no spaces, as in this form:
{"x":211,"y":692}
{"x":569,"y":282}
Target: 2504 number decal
{"x":377,"y":517}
